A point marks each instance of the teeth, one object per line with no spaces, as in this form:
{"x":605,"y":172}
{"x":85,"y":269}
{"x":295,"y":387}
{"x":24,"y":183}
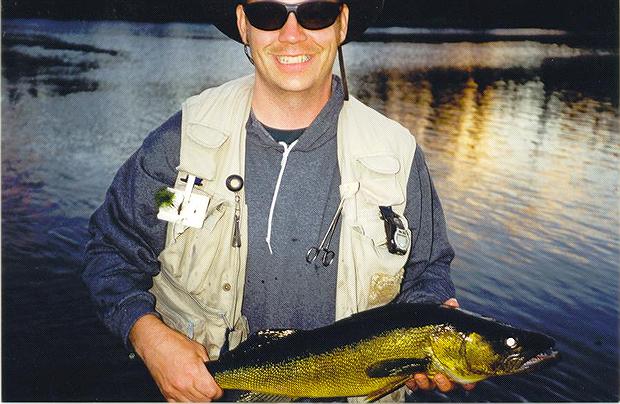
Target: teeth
{"x":289,"y":60}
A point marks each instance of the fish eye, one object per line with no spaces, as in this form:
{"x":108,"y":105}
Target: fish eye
{"x":511,"y":342}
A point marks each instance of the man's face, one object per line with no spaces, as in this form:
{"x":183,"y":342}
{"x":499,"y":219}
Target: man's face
{"x":294,"y":59}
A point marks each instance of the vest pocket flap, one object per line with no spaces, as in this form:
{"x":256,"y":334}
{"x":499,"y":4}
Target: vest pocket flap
{"x":206,"y":136}
{"x":201,"y":147}
{"x":378,"y":180}
{"x":381,"y":164}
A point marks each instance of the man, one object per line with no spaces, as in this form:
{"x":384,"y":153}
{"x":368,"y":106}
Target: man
{"x":247,"y":178}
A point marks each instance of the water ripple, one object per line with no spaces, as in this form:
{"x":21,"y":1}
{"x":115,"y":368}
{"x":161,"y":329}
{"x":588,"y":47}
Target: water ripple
{"x":522,"y":139}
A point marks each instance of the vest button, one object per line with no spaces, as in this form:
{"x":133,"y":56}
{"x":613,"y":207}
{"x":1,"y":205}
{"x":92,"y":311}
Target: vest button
{"x":227,"y":287}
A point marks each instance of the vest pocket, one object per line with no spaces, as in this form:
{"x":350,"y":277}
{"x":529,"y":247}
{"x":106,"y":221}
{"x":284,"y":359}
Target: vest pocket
{"x":379,"y":273}
{"x":203,"y":146}
{"x":190,"y":256}
{"x":185,"y":314}
{"x":181,"y":322}
{"x":378,"y":181}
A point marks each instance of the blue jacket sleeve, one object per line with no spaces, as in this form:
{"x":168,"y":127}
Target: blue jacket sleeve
{"x":125,"y":235}
{"x":427,"y":272}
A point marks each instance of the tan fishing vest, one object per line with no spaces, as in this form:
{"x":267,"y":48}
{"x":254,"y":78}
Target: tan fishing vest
{"x":199,"y":290}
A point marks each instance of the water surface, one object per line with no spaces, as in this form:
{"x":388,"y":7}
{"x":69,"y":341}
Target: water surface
{"x":521,"y":137}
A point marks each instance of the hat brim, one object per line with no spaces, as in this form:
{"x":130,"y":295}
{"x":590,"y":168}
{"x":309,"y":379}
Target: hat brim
{"x":362,"y":13}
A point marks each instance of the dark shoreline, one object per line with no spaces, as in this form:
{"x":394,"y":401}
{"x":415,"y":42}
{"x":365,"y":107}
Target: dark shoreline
{"x":599,"y":39}
{"x":608,"y":40}
{"x":571,"y":15}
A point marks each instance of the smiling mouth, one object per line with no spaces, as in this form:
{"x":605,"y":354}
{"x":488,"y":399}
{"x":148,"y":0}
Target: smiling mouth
{"x":290,"y":60}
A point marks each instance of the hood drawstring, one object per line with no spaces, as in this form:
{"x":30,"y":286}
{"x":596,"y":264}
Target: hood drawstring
{"x":287,"y":150}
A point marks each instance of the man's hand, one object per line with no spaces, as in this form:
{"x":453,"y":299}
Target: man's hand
{"x":175,"y":361}
{"x":440,"y":381}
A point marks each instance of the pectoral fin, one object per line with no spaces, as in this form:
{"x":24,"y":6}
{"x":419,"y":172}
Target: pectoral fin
{"x":375,"y":395}
{"x":397,"y":367}
{"x":254,"y":397}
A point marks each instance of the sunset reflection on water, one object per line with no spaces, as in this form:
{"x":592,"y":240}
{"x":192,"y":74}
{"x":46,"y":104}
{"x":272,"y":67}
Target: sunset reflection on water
{"x":521,"y":139}
{"x":512,"y":156}
{"x":525,"y":159}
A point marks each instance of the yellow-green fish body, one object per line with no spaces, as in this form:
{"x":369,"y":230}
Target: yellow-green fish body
{"x":374,"y":352}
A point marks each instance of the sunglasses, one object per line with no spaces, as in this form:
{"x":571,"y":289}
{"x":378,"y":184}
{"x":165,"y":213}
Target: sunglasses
{"x":271,"y":15}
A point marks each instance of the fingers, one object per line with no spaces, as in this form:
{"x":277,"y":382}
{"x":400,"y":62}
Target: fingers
{"x":194,"y":394}
{"x":443,"y":383}
{"x":411,"y":384}
{"x":452,"y":302}
{"x":208,"y":387}
{"x":199,"y":394}
{"x":201,"y":351}
{"x":205,"y":383}
{"x":177,"y":365}
{"x":440,"y":381}
{"x":178,"y":398}
{"x":423,"y":382}
{"x":203,"y":386}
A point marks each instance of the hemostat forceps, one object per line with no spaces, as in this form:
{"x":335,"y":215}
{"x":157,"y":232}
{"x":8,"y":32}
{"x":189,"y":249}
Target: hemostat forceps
{"x":328,"y":255}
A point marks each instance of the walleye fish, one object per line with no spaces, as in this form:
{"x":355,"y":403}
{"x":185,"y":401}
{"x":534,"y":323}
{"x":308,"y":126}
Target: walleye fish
{"x":376,"y":351}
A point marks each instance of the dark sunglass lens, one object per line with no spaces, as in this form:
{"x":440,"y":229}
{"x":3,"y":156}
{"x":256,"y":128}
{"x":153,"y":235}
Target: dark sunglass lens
{"x":317,"y":14}
{"x":266,"y":15}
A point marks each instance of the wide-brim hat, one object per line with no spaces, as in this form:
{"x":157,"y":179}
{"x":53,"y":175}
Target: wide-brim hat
{"x":362,"y":13}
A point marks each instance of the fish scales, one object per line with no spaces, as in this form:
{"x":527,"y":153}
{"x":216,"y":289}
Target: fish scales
{"x":304,"y":376}
{"x":349,"y":331}
{"x":374,"y":352}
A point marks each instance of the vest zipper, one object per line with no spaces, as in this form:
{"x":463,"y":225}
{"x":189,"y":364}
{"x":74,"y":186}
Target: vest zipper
{"x":287,"y":150}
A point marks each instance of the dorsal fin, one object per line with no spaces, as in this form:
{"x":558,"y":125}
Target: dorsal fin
{"x":265,"y":337}
{"x":256,"y":341}
{"x":276,"y":333}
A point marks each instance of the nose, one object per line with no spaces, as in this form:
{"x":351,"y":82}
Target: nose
{"x":292,"y":32}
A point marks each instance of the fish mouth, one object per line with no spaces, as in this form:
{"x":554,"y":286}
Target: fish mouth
{"x":540,"y":359}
